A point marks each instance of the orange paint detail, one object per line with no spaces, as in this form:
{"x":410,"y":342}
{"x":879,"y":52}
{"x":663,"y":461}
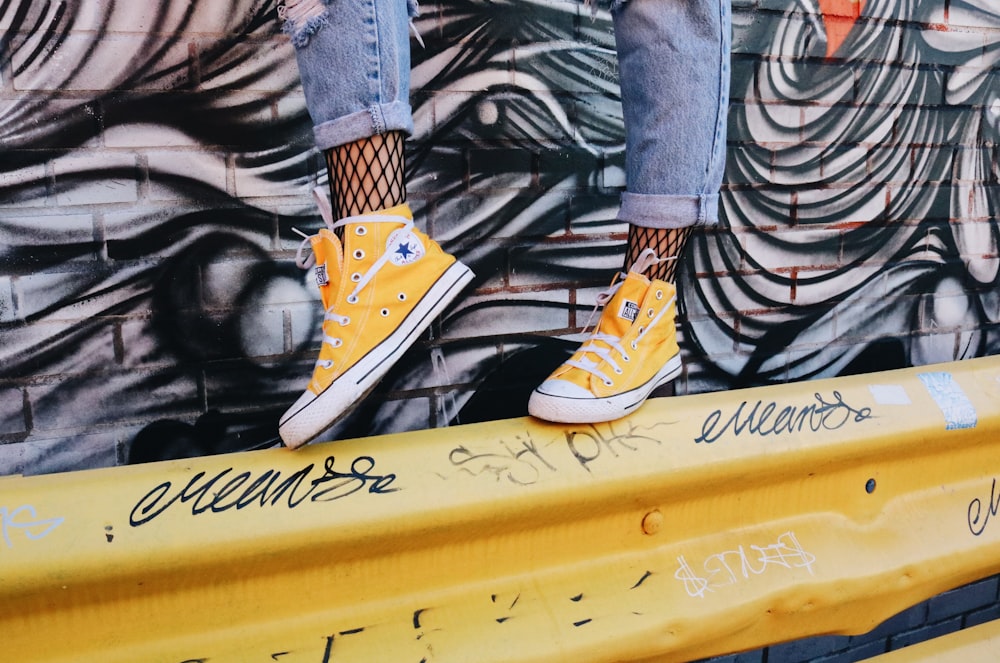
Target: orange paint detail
{"x":839,"y":17}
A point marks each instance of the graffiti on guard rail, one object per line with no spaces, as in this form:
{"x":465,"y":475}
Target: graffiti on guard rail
{"x":520,"y":462}
{"x":765,"y":418}
{"x":730,"y":567}
{"x":227,"y":489}
{"x":523,"y":461}
{"x":25,"y":520}
{"x":978,"y":515}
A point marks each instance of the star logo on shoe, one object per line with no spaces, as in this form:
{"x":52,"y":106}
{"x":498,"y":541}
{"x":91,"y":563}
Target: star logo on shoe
{"x":404,"y":248}
{"x":629,"y":311}
{"x":404,"y":252}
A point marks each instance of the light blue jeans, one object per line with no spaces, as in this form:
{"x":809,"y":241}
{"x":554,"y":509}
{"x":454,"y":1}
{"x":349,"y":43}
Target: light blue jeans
{"x":674,"y":73}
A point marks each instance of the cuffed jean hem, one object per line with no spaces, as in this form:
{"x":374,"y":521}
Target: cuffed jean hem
{"x":669,"y":211}
{"x":378,"y":119}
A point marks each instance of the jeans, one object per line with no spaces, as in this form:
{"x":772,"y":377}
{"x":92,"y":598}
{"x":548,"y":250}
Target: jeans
{"x":674,"y":74}
{"x":354,"y":61}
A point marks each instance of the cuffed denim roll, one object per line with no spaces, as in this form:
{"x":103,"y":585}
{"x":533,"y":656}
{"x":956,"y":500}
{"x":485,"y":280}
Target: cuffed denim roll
{"x":674,"y":69}
{"x":674,"y":66}
{"x":354,"y":62}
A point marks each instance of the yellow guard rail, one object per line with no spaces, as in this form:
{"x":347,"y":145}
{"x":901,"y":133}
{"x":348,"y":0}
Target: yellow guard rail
{"x":698,"y":526}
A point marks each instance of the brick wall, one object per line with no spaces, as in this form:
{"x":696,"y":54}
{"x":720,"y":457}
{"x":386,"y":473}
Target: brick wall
{"x":156,"y":162}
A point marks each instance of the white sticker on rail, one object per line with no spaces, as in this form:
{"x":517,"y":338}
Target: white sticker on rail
{"x":955,"y":405}
{"x":889,"y":394}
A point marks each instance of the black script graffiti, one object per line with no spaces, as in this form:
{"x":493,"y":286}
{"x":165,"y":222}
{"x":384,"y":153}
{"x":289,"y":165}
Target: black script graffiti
{"x":520,"y":463}
{"x":32,"y":527}
{"x":588,"y":445}
{"x":224,"y":490}
{"x":978,"y":519}
{"x":763,"y":419}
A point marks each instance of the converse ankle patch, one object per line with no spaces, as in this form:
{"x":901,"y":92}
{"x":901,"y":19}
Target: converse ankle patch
{"x":629,"y":311}
{"x":404,"y":248}
{"x":321,"y":276}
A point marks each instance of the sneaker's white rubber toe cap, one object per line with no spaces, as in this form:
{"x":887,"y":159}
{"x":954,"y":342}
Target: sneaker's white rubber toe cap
{"x":564,"y":389}
{"x":562,"y":401}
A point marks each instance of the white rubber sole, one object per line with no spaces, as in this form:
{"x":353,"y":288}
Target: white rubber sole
{"x":583,"y":410}
{"x":311,"y":414}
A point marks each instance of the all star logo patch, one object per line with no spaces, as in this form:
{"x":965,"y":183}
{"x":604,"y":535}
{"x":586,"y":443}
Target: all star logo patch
{"x":629,"y":311}
{"x":321,"y":276}
{"x":404,"y":248}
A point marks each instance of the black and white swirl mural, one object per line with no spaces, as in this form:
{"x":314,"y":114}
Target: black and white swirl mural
{"x":156,"y":157}
{"x":862,"y":216}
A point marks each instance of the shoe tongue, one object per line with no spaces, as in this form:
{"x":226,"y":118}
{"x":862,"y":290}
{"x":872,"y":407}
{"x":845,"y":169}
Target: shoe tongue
{"x":329,"y":256}
{"x":623,"y":309}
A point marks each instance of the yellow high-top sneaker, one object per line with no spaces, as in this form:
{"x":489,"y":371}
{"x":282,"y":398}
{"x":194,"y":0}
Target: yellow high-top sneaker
{"x":381,"y":289}
{"x":632,"y":351}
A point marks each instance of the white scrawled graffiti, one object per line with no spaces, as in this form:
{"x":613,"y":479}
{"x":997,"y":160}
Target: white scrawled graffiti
{"x":24,"y":519}
{"x":733,"y":566}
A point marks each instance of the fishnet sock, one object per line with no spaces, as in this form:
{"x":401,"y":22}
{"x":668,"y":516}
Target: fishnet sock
{"x":367,"y":175}
{"x":667,"y":242}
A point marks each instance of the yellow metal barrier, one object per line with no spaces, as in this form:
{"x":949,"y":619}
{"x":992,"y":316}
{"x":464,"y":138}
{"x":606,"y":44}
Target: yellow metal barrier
{"x":700,"y":525}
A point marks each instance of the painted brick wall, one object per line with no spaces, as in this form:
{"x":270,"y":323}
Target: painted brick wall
{"x":157,"y":159}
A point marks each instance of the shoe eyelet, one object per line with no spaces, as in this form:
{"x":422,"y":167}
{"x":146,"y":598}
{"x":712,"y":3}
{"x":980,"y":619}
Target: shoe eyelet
{"x":352,"y":299}
{"x":618,"y":371}
{"x":401,"y":296}
{"x":344,"y":321}
{"x":358,"y":254}
{"x":659,"y":294}
{"x":626,"y":358}
{"x":384,"y":312}
{"x":650,"y":312}
{"x":361,"y":231}
{"x":609,"y":383}
{"x":356,"y":277}
{"x":634,"y":346}
{"x":336,"y":343}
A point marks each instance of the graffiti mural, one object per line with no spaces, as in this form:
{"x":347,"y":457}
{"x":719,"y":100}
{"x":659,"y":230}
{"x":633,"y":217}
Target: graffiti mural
{"x":862,"y":213}
{"x":157,"y":158}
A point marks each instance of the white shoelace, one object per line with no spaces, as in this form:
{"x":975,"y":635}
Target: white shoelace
{"x":306,"y":260}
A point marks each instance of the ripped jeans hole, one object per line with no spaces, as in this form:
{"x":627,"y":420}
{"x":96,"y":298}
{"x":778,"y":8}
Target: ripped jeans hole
{"x":301,"y":19}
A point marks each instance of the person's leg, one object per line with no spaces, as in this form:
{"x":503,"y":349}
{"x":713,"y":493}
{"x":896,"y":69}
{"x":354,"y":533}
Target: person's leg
{"x":354,"y":62}
{"x":674,"y":69}
{"x":382,"y":281}
{"x":367,"y":175}
{"x":674,"y":64}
